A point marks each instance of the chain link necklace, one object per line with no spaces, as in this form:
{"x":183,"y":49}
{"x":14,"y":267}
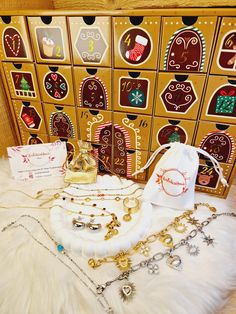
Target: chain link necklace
{"x":127,"y":290}
{"x":101,"y":298}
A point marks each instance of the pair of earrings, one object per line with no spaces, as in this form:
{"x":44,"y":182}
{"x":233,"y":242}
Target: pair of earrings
{"x":78,"y":224}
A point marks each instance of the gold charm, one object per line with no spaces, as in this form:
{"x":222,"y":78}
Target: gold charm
{"x":213,"y":209}
{"x":127,"y":217}
{"x":167,"y":240}
{"x":127,"y":291}
{"x":174,"y":261}
{"x":144,"y":250}
{"x":123,"y":262}
{"x":180,"y":228}
{"x":192,"y":220}
{"x":94,"y":263}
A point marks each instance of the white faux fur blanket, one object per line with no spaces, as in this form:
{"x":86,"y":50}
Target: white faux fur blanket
{"x":33,"y":282}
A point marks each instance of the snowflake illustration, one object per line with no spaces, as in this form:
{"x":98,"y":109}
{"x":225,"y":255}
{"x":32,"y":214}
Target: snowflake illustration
{"x":136,"y":97}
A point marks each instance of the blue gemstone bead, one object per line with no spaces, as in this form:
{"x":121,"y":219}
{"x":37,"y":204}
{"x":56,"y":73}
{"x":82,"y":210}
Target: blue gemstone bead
{"x":60,"y":248}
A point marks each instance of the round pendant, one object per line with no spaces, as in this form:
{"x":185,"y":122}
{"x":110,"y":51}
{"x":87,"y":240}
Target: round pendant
{"x":127,"y":291}
{"x":193,"y":250}
{"x":127,"y":217}
{"x":180,"y":228}
{"x":123,"y":262}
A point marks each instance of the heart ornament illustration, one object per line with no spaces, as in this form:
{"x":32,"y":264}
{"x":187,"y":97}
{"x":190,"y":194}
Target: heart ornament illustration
{"x":63,"y":86}
{"x":54,"y":76}
{"x":57,"y":95}
{"x":48,"y":85}
{"x":13,"y":43}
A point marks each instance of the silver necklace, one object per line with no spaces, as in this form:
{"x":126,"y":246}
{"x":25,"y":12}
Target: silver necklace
{"x":127,"y":290}
{"x":102,"y":301}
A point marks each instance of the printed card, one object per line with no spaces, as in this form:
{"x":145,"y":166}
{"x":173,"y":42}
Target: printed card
{"x":37,"y":161}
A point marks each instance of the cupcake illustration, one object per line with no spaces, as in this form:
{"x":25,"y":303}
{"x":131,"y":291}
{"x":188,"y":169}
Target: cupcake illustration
{"x":48,"y":46}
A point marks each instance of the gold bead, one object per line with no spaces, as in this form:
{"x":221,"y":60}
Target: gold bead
{"x":87,"y":199}
{"x":127,"y":217}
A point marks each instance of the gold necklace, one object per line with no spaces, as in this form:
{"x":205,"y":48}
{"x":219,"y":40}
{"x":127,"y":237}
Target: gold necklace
{"x":110,"y":189}
{"x":123,"y":259}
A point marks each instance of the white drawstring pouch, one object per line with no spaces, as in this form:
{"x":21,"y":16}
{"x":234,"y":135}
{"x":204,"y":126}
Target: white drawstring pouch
{"x":172,"y":183}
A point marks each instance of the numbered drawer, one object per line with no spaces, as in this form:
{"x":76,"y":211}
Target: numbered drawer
{"x":220,"y":100}
{"x":136,"y":41}
{"x":127,"y":161}
{"x":29,"y":116}
{"x":56,"y":84}
{"x":218,"y":140}
{"x":134,"y":130}
{"x":91,"y":40}
{"x":61,"y":120}
{"x":134,"y":91}
{"x":32,"y":138}
{"x":104,"y":156}
{"x":208,"y":179}
{"x":95,"y":125}
{"x":93,"y":88}
{"x":224,"y":61}
{"x":50,"y":39}
{"x":21,"y":79}
{"x":14,"y":43}
{"x":71,"y":145}
{"x":186,"y":43}
{"x":179,"y":95}
{"x":168,"y":131}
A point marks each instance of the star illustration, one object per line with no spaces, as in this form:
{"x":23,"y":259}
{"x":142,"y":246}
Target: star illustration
{"x":208,"y":240}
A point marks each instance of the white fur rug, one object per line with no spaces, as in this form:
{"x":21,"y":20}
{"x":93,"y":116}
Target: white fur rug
{"x":33,"y":282}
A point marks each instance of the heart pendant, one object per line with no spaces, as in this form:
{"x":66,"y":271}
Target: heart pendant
{"x":127,"y":291}
{"x":123,"y":262}
{"x":174,"y":262}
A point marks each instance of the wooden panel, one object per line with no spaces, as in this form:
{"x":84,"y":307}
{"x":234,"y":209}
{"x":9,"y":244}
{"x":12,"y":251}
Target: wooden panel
{"x":134,"y":4}
{"x":23,"y":4}
{"x":6,"y":123}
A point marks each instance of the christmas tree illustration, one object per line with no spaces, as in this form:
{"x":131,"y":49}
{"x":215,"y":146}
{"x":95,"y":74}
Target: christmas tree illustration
{"x":24,"y":84}
{"x":174,"y":137}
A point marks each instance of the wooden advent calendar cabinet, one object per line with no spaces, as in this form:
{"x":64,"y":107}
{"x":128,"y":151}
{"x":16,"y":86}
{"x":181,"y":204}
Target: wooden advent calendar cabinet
{"x":128,"y":82}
